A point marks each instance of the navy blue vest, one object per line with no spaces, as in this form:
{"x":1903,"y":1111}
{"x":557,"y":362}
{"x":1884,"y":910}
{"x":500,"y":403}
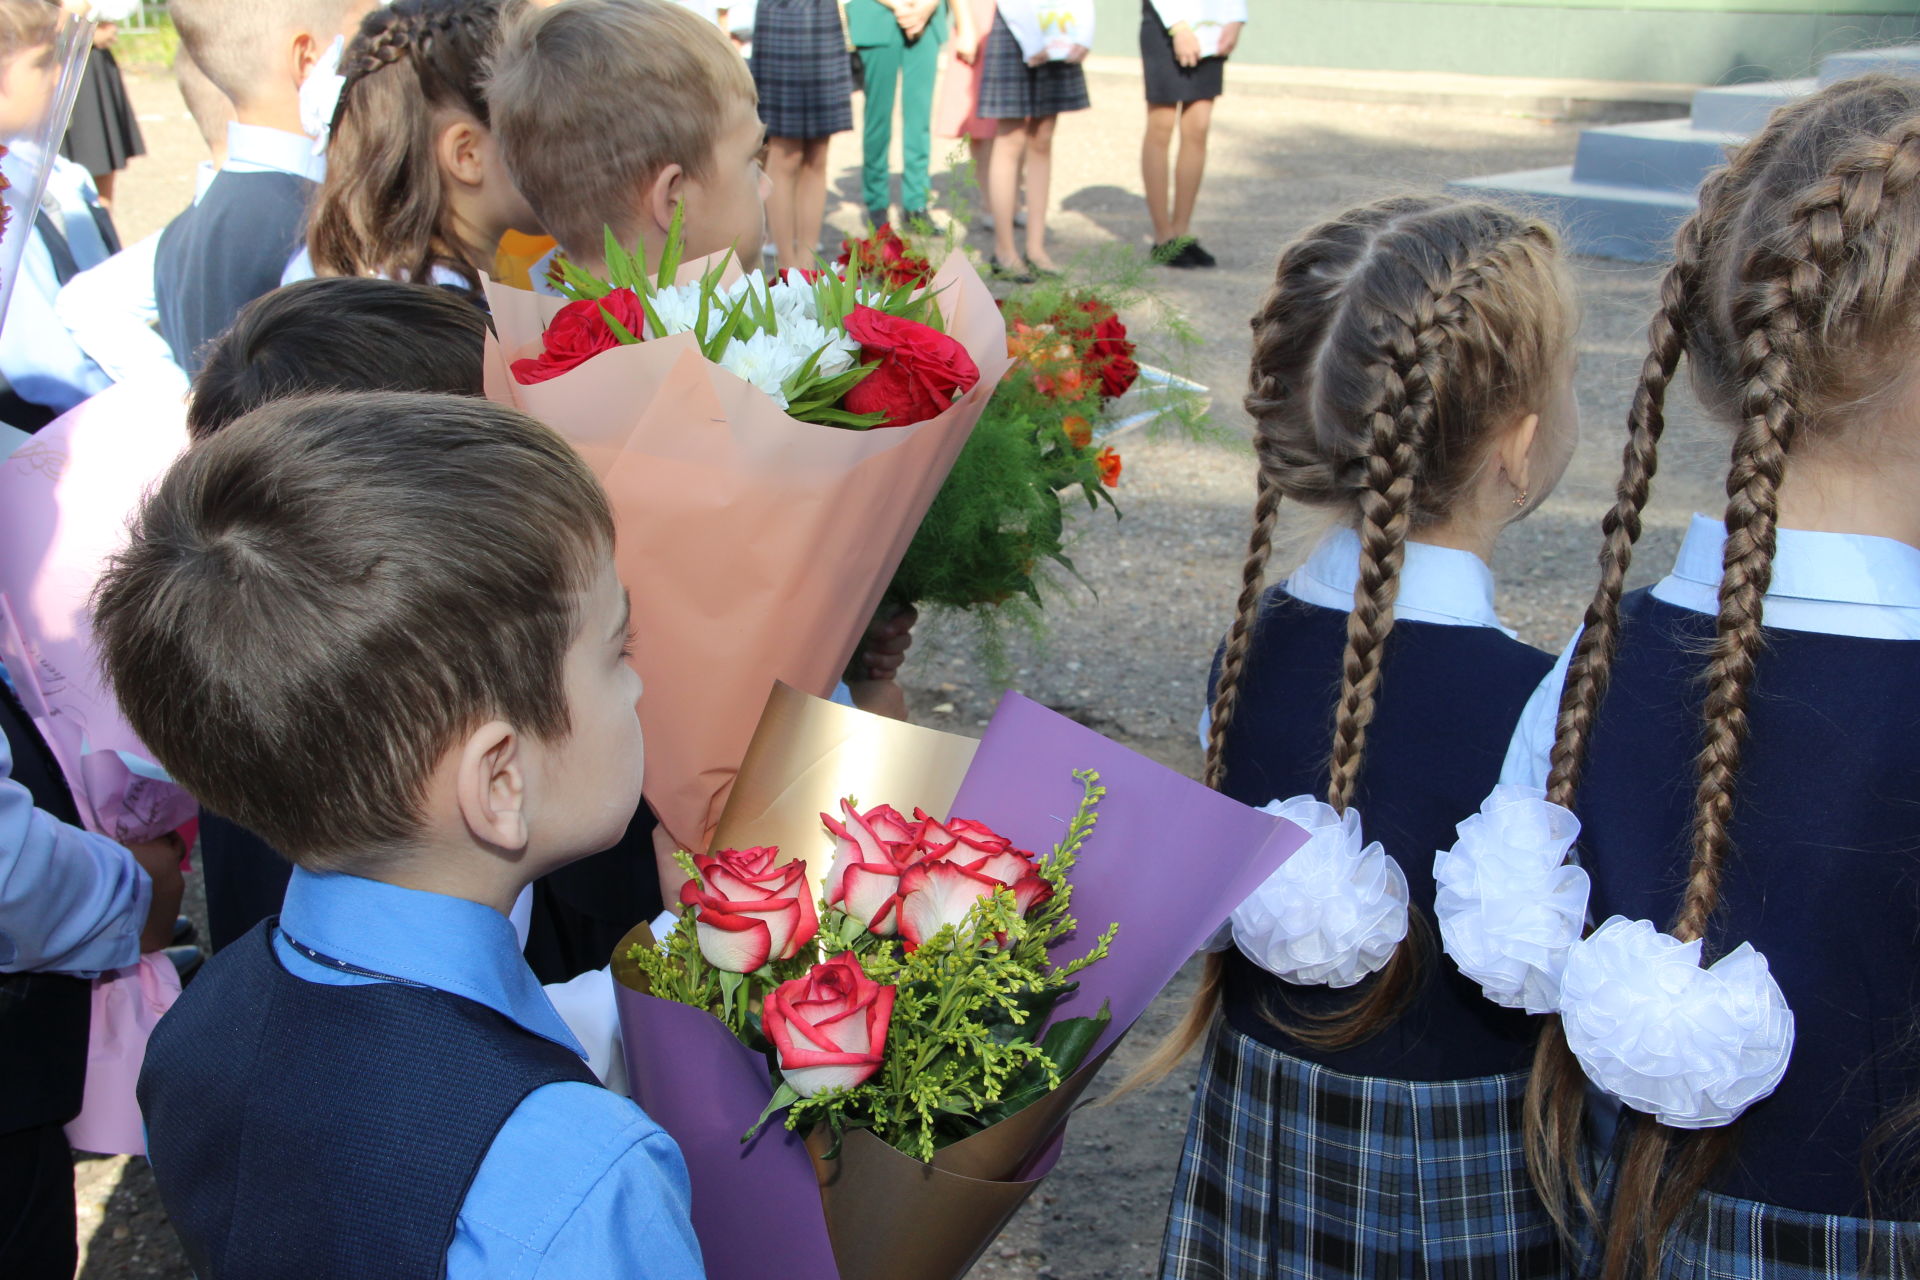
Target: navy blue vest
{"x":43,"y":1016}
{"x":1824,"y":878}
{"x":1449,"y":699}
{"x":224,"y":252}
{"x":298,"y":1129}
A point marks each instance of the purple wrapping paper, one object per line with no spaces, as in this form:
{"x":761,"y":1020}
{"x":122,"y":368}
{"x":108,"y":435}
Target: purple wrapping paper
{"x":1169,"y":860}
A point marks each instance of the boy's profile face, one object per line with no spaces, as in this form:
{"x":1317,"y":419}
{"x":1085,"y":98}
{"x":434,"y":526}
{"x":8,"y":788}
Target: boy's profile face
{"x":26,"y":88}
{"x":586,"y":787}
{"x":727,"y":206}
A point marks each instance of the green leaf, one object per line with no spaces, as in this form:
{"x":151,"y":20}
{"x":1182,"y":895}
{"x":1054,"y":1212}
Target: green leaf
{"x":783,"y":1097}
{"x":1069,"y":1041}
{"x":730,"y":987}
{"x":620,"y":331}
{"x":675,"y":247}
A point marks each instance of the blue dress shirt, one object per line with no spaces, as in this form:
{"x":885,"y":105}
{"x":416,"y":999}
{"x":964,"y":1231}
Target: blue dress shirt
{"x":37,"y":354}
{"x":70,"y":901}
{"x":579,"y":1182}
{"x":1837,"y":584}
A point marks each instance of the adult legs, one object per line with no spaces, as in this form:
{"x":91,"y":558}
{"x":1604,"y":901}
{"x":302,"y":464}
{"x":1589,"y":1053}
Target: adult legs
{"x":1039,"y":158}
{"x":1162,"y":117}
{"x":1003,"y":188}
{"x":1195,"y":119}
{"x":882,"y":63}
{"x":920,"y":64}
{"x":809,"y":204}
{"x":784,"y":158}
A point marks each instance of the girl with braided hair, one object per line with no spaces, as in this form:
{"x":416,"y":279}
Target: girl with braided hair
{"x":1358,"y":1110}
{"x":1737,"y":743}
{"x":415,"y":187}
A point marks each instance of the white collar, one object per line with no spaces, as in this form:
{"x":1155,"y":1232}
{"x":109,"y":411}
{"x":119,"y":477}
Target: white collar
{"x":1849,"y":584}
{"x":1437,"y":584}
{"x":255,"y":148}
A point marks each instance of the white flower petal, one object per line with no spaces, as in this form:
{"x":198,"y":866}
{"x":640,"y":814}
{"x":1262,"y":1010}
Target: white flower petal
{"x":1691,"y":1047}
{"x":1333,"y":912}
{"x":1508,"y":905}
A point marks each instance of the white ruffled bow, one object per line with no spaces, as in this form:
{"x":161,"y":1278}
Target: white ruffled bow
{"x":1333,"y":912}
{"x":1691,"y":1047}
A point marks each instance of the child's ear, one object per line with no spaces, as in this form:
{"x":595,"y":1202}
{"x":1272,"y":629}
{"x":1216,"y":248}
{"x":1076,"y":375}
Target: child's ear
{"x":307,"y":49}
{"x":490,"y":785}
{"x":668,"y":189}
{"x":1515,"y":450}
{"x":461,"y":150}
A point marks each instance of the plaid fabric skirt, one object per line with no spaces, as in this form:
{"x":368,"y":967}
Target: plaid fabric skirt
{"x":1012,"y":90}
{"x":1740,"y":1240}
{"x":1292,"y":1170}
{"x":801,"y":69}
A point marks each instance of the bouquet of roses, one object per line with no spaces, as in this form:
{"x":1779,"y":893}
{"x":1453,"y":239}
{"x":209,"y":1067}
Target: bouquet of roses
{"x":769,"y":447}
{"x":913,"y":995}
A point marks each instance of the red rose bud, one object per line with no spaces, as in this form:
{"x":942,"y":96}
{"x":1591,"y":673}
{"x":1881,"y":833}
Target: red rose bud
{"x":579,"y":331}
{"x":750,"y":909}
{"x":920,"y":370}
{"x":871,"y":851}
{"x":830,"y":1027}
{"x":961,"y":838}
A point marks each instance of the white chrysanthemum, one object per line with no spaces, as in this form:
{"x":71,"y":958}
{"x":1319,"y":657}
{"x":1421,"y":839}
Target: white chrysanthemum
{"x":1691,"y":1047}
{"x":679,"y":311}
{"x":1333,"y":912}
{"x":793,"y":300}
{"x":1508,"y":906}
{"x":806,"y":335}
{"x":765,"y":360}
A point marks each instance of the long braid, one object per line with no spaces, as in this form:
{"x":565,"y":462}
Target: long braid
{"x":1233,"y":658}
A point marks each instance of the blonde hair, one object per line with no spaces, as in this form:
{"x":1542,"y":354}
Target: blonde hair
{"x":1794,"y":293}
{"x":232,"y":41}
{"x":1393,"y":338}
{"x":591,"y":99}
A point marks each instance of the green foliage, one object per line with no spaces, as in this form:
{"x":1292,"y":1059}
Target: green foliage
{"x":964,"y":1047}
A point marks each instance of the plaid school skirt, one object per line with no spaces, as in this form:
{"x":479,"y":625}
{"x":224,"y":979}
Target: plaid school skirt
{"x":1012,"y":90}
{"x":1297,"y":1171}
{"x":1740,"y":1240}
{"x":800,"y":69}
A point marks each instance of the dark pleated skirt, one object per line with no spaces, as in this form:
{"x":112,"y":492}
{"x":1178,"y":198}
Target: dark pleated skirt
{"x":103,"y":134}
{"x":801,"y":69}
{"x":1168,"y":82}
{"x":1012,"y":90}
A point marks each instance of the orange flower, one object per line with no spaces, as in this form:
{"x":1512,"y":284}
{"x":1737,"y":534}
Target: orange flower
{"x":1109,"y":463}
{"x":1079,"y":430}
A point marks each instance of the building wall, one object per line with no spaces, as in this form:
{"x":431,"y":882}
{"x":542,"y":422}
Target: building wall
{"x":1676,"y":41}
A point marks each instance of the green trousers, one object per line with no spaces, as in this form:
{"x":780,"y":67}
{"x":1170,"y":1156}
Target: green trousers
{"x":886,"y":65}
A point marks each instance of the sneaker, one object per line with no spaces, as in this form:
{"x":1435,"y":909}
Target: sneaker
{"x":1198,"y":257}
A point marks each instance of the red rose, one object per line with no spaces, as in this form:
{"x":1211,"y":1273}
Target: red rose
{"x":1109,"y":463}
{"x":830,"y":1027}
{"x":942,"y":889}
{"x":920,"y":370}
{"x":750,"y":909}
{"x":871,"y":851}
{"x":579,"y":331}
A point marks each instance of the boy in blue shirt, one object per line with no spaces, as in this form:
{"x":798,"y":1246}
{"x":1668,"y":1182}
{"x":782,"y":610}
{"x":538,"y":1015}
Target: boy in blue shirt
{"x":384,"y":631}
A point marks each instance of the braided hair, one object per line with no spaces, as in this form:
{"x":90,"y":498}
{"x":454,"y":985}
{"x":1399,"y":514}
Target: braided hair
{"x":1789,"y":293}
{"x":1393,"y":336}
{"x":383,"y":209}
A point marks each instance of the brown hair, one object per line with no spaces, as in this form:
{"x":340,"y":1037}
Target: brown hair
{"x":593,"y":98}
{"x":1393,"y":337}
{"x":233,"y":41}
{"x":1790,"y":292}
{"x":27,"y":24}
{"x":383,"y":209}
{"x":341,"y":333}
{"x":308,"y":616}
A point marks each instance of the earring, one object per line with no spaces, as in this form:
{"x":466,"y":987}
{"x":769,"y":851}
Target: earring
{"x":1521,"y":499}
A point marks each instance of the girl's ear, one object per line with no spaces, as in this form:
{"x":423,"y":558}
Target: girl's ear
{"x":490,"y":785}
{"x":669,"y":185}
{"x":1515,"y":451}
{"x":461,"y":151}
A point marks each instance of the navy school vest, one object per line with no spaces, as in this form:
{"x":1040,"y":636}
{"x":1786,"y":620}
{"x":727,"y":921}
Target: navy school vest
{"x":1824,"y":878}
{"x":299,"y":1130}
{"x":222,"y":253}
{"x":1449,"y":699}
{"x":43,"y":1016}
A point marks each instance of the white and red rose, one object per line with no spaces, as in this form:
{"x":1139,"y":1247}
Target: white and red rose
{"x":830,"y":1027}
{"x":750,"y":909}
{"x":871,"y":851}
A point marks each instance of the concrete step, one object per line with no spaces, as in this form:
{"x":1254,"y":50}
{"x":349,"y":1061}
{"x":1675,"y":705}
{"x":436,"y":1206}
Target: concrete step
{"x":1667,"y":155}
{"x":1604,"y":220}
{"x":1902,"y":59}
{"x":1744,"y":108}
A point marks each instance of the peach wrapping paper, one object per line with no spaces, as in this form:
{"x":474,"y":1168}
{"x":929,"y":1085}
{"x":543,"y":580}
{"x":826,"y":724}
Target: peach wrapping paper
{"x":755,"y":547}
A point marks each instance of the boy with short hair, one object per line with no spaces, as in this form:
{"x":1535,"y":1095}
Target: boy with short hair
{"x":236,"y":241}
{"x":612,"y":112}
{"x":406,"y":669}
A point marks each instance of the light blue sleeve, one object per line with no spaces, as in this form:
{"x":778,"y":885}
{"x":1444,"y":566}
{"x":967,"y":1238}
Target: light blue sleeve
{"x":1530,"y":750}
{"x":37,"y":354}
{"x":579,"y":1184}
{"x":70,"y":901}
{"x":111,"y":310}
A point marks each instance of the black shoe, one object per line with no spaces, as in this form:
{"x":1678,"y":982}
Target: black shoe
{"x":917,"y":218}
{"x":1172,"y":253}
{"x":878,"y":218}
{"x":186,"y":960}
{"x":997,"y":272}
{"x":183,"y":930}
{"x":1198,"y":257}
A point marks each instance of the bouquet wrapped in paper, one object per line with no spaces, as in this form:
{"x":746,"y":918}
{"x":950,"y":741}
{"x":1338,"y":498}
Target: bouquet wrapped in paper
{"x":769,"y":448}
{"x":874,"y":1016}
